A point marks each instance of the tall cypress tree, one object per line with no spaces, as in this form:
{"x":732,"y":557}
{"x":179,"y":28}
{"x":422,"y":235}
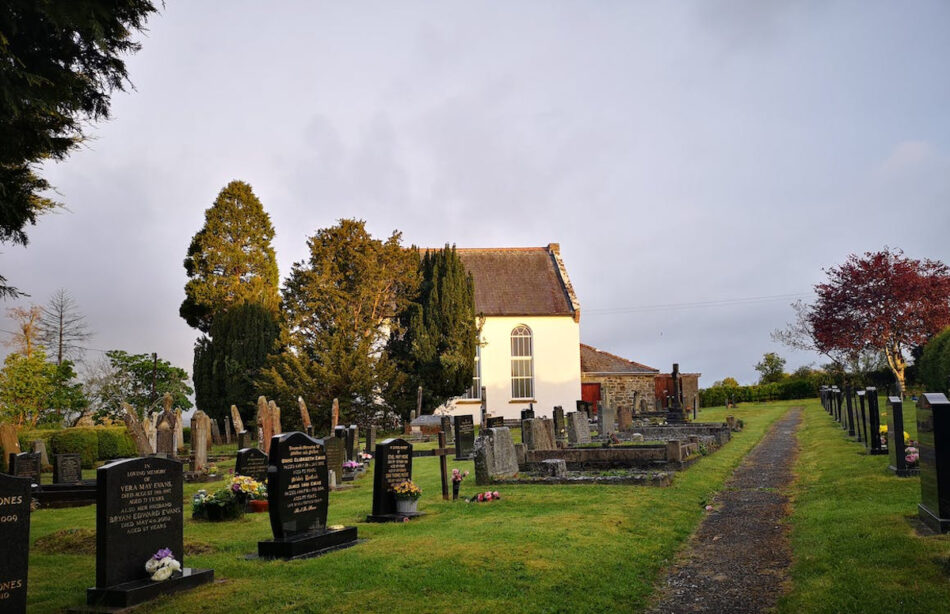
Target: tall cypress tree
{"x":232,"y":296}
{"x":437,"y":334}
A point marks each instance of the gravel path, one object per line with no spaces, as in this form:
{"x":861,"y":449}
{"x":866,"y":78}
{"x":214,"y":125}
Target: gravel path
{"x":738,"y":559}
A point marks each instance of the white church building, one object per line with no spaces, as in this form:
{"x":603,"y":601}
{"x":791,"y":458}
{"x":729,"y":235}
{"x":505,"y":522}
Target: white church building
{"x":529,"y":348}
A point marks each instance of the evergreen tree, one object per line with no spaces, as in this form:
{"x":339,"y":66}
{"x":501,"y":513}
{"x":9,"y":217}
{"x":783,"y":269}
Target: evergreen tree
{"x":230,"y":260}
{"x":227,"y":363}
{"x":435,"y":342}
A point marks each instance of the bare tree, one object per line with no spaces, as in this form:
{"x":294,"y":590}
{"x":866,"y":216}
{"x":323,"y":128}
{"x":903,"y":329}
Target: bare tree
{"x":63,"y":328}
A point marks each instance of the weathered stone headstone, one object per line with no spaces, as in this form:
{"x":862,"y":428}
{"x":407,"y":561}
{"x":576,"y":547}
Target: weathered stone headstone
{"x":252,"y":463}
{"x":624,"y":419}
{"x":352,"y":442}
{"x":464,"y":437}
{"x":298,"y":495}
{"x":165,"y":435}
{"x":335,"y":415}
{"x":538,"y":434}
{"x":578,"y":429}
{"x":933,"y":434}
{"x":584,"y":407}
{"x":895,"y":442}
{"x":227,"y":429}
{"x":67,"y":468}
{"x":495,"y":456}
{"x":215,"y":433}
{"x":39,"y":446}
{"x":148,"y":425}
{"x":276,"y":428}
{"x":393,"y":465}
{"x":15,"y":498}
{"x":26,"y":465}
{"x":335,"y":450}
{"x":179,"y":432}
{"x":138,"y":513}
{"x":136,"y":431}
{"x":483,"y":407}
{"x":371,"y":439}
{"x":305,"y":417}
{"x":445,"y":423}
{"x":560,"y":425}
{"x":9,"y":442}
{"x":236,"y":419}
{"x":492,"y":422}
{"x":199,"y":440}
{"x":265,"y":427}
{"x":606,"y":421}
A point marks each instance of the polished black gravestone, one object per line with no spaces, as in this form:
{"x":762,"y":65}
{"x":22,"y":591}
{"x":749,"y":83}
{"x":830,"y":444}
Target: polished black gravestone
{"x":862,"y":410}
{"x":933,"y":434}
{"x":492,"y":422}
{"x":138,"y":512}
{"x":527,"y":414}
{"x":298,"y":496}
{"x":340,"y":433}
{"x":67,"y":468}
{"x":849,"y":413}
{"x":895,"y":436}
{"x":874,"y":423}
{"x":26,"y":465}
{"x":352,"y":441}
{"x":393,"y":465}
{"x":252,"y":463}
{"x":464,"y":437}
{"x":15,"y":540}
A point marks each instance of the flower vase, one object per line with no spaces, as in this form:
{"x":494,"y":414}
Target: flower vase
{"x":406,"y":506}
{"x":258,"y":505}
{"x":455,"y":490}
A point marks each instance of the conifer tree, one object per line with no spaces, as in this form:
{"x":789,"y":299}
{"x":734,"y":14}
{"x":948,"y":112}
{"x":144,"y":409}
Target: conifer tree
{"x":230,"y":260}
{"x":435,"y":342}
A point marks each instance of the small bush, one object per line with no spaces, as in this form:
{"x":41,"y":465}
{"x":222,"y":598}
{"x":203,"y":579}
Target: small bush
{"x":83,"y":441}
{"x":186,"y":434}
{"x":115,"y":442}
{"x":28,"y":437}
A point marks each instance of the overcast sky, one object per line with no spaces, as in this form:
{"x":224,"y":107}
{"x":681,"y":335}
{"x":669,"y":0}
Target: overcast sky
{"x":679,"y":152}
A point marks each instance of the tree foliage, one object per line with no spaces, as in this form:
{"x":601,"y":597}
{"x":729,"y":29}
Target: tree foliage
{"x":128,"y":378}
{"x":771,"y":368}
{"x":228,"y":362}
{"x":881,"y":301}
{"x":338,"y":306}
{"x":34,"y":391}
{"x":934,"y":363}
{"x":59,"y":64}
{"x":436,"y":336}
{"x":230,"y":260}
{"x":63,"y":328}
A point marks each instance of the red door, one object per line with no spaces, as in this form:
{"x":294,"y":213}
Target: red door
{"x":591,"y":394}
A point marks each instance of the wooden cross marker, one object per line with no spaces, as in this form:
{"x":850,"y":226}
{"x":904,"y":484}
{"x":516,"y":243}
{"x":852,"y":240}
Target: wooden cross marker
{"x":442,"y":452}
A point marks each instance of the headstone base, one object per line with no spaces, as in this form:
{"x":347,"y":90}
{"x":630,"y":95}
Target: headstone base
{"x":465,"y":458}
{"x":878,"y":452}
{"x":905,"y":473}
{"x":66,"y":495}
{"x":307,"y":545}
{"x":140,"y":591}
{"x":939,"y":525}
{"x":394,"y":517}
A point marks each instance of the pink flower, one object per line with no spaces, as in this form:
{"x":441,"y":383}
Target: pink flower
{"x":481,"y":497}
{"x":496,"y":495}
{"x":487,"y":496}
{"x":405,"y":518}
{"x":709,"y":508}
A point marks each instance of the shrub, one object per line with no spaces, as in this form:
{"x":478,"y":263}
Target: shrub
{"x":115,"y":442}
{"x":27,"y":438}
{"x":934,"y":365}
{"x":83,"y":441}
{"x":186,"y":434}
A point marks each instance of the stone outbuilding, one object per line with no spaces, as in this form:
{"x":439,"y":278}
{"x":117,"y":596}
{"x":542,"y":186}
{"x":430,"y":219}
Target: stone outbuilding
{"x":616,"y":381}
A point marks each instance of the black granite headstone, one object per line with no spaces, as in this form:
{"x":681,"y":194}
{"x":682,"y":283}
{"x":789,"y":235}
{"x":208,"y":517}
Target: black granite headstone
{"x":874,"y":422}
{"x":895,"y":436}
{"x":340,"y":433}
{"x":849,"y":413}
{"x":138,"y":513}
{"x":298,"y":498}
{"x":334,"y":449}
{"x":26,"y":465}
{"x":527,"y":414}
{"x":67,"y":468}
{"x":933,"y":434}
{"x":492,"y":422}
{"x":252,"y":463}
{"x":352,"y":441}
{"x":464,"y":437}
{"x":393,"y":465}
{"x":15,"y":536}
{"x":371,"y":440}
{"x":862,"y":411}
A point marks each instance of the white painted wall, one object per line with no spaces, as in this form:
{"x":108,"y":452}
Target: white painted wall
{"x":557,"y":366}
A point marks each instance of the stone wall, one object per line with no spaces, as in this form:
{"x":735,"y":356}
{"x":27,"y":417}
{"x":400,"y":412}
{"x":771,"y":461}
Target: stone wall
{"x":619,"y":390}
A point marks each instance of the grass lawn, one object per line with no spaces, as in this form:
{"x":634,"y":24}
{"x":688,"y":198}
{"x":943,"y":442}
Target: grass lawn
{"x":855,"y":548}
{"x":539,"y":549}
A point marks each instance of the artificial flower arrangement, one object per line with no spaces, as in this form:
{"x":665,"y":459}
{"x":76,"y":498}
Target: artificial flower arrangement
{"x":485,"y":496}
{"x":366,"y":457}
{"x":407,"y":490}
{"x":352,"y":465}
{"x":162,"y":565}
{"x":883,"y":432}
{"x":912,"y":456}
{"x":458,"y":476}
{"x":229,"y":502}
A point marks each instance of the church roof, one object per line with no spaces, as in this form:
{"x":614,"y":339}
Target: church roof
{"x":598,"y":361}
{"x":520,"y":281}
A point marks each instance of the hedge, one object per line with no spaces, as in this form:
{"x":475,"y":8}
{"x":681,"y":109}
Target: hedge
{"x":93,"y":443}
{"x":789,"y":389}
{"x":934,"y":363}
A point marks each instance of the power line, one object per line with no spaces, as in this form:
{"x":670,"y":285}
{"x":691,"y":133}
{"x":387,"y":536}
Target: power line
{"x":749,"y":300}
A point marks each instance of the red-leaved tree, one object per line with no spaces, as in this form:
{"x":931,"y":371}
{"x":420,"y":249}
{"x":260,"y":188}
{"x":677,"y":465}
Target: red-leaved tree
{"x":881,"y":301}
